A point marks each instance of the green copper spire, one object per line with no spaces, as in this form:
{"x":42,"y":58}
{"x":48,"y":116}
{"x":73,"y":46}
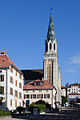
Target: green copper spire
{"x":51,"y":33}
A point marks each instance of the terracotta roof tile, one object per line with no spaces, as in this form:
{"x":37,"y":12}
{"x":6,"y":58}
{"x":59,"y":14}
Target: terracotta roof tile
{"x":73,"y":94}
{"x":5,"y":61}
{"x":62,"y":87}
{"x":45,"y":85}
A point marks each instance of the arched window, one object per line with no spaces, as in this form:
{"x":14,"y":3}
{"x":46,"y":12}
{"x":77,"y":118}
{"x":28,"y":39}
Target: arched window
{"x":50,"y":46}
{"x":54,"y":46}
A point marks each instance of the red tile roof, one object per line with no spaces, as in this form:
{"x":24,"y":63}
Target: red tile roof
{"x":62,"y":87}
{"x":74,"y":85}
{"x":73,"y":94}
{"x":5,"y":61}
{"x":44,"y":85}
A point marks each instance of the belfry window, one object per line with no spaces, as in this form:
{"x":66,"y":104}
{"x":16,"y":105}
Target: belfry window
{"x":50,"y":47}
{"x":54,"y":46}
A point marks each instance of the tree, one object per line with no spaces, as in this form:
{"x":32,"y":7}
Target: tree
{"x":72,"y":102}
{"x":20,"y":109}
{"x":64,"y":100}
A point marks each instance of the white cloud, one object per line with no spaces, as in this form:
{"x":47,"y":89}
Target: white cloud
{"x":70,"y":70}
{"x":74,"y":60}
{"x":72,"y":64}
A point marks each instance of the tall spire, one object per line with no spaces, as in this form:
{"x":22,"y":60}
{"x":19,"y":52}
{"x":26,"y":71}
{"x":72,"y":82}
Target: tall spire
{"x":51,"y":33}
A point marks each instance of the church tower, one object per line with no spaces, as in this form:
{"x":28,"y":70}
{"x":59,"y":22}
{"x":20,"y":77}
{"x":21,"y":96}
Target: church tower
{"x":51,"y":67}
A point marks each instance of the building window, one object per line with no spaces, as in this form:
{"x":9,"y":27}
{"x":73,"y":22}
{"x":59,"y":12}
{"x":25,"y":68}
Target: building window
{"x":20,"y":86}
{"x":46,"y":95}
{"x":40,"y":90}
{"x":33,"y":90}
{"x":46,"y":90}
{"x":54,"y":46}
{"x":26,"y":96}
{"x":50,"y":47}
{"x":11,"y":69}
{"x":15,"y":103}
{"x":33,"y":96}
{"x":1,"y":78}
{"x":11,"y":80}
{"x":1,"y":90}
{"x":11,"y":102}
{"x":16,"y":93}
{"x":16,"y":83}
{"x":11,"y":91}
{"x":20,"y":76}
{"x":26,"y":90}
{"x":40,"y":96}
{"x":20,"y":95}
{"x":16,"y":73}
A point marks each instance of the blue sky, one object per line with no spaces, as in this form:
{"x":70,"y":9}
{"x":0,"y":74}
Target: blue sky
{"x":23,"y":30}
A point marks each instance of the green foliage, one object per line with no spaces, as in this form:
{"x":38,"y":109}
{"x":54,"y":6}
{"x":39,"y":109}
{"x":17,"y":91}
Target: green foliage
{"x":64,"y":100}
{"x":72,"y":102}
{"x":4,"y":113}
{"x":20,"y":109}
{"x":66,"y":85}
{"x":31,"y":107}
{"x":40,"y":102}
{"x":48,"y":106}
{"x":40,"y":107}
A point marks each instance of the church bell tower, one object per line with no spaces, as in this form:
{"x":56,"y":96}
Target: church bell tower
{"x":50,"y":56}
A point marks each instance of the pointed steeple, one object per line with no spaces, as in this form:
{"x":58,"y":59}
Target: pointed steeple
{"x":51,"y":33}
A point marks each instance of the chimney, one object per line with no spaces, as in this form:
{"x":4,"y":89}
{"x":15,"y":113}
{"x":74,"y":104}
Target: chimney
{"x":2,"y":53}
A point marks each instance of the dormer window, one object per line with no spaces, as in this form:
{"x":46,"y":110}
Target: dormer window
{"x":37,"y":83}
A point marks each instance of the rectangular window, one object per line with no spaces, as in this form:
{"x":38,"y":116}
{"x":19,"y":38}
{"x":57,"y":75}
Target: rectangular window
{"x":11,"y":102}
{"x":11,"y":80}
{"x":20,"y":96}
{"x":40,"y":90}
{"x":16,"y":93}
{"x":26,"y":96}
{"x":11,"y":69}
{"x":40,"y":96}
{"x":34,"y":95}
{"x":16,"y":73}
{"x":15,"y":103}
{"x":1,"y":78}
{"x":1,"y":90}
{"x":11,"y":91}
{"x":20,"y":76}
{"x":46,"y":95}
{"x":16,"y":83}
{"x":20,"y":86}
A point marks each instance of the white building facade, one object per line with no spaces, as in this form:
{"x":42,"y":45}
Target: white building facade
{"x":39,"y":90}
{"x":11,"y":84}
{"x":73,"y":92}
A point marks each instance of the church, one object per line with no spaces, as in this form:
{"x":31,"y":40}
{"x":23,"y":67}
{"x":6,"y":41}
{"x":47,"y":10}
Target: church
{"x":45,"y":84}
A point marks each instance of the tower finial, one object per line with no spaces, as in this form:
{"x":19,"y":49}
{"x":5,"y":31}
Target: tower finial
{"x":51,"y":10}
